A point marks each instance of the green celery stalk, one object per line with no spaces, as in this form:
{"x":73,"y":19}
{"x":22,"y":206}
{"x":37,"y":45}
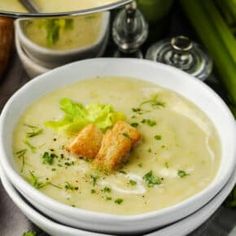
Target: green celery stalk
{"x":221,"y":27}
{"x":230,"y":5}
{"x":233,"y":29}
{"x":211,"y":36}
{"x":154,"y":10}
{"x":224,"y":63}
{"x":227,"y":14}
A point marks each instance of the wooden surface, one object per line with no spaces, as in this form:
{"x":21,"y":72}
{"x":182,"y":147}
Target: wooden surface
{"x":12,"y":80}
{"x":6,"y":42}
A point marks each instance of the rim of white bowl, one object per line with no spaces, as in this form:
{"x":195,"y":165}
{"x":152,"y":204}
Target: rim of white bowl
{"x":203,"y":196}
{"x":37,"y":48}
{"x":19,"y":201}
{"x":106,"y":7}
{"x":39,"y":217}
{"x":27,"y":61}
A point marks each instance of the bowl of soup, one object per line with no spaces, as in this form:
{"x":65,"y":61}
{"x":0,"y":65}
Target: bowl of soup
{"x":52,"y":42}
{"x":32,"y":68}
{"x":62,"y":8}
{"x":117,"y":145}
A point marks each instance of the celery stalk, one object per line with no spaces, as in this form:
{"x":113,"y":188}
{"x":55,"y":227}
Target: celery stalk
{"x":209,"y":28}
{"x":212,"y":39}
{"x":220,"y":26}
{"x":230,"y":5}
{"x":227,"y":14}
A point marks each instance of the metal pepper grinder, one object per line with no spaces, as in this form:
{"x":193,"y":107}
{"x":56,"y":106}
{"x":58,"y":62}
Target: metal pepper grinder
{"x":130,"y":31}
{"x":181,"y":52}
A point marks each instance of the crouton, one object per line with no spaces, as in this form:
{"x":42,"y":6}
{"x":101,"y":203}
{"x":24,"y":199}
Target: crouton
{"x":87,"y":143}
{"x":116,"y":145}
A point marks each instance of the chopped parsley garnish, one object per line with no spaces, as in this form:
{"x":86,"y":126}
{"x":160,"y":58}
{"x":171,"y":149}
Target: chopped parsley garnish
{"x":30,"y":146}
{"x":69,"y":163}
{"x":93,"y":191}
{"x":21,"y":155}
{"x":94,"y":179}
{"x":34,"y":131}
{"x":135,"y":124}
{"x":29,"y":233}
{"x":136,"y":110}
{"x":119,"y":201}
{"x":152,"y":180}
{"x":132,"y":182}
{"x":167,"y":165}
{"x":34,"y":180}
{"x":158,"y":137}
{"x":140,"y":165}
{"x":149,"y":150}
{"x":54,"y":185}
{"x":108,"y":198}
{"x":52,"y":27}
{"x":69,"y":23}
{"x":182,"y":173}
{"x":148,"y":122}
{"x":154,"y":102}
{"x":48,"y":158}
{"x":69,"y":186}
{"x":106,"y":190}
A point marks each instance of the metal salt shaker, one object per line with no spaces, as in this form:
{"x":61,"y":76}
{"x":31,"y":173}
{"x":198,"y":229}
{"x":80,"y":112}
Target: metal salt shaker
{"x":184,"y":54}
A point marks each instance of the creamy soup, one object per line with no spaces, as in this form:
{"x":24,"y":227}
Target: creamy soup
{"x":54,"y":5}
{"x":178,"y":155}
{"x":67,"y":33}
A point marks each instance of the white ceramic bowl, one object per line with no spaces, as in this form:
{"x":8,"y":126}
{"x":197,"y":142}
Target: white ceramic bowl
{"x":32,"y":68}
{"x":179,"y":228}
{"x":166,"y":76}
{"x":48,"y":225}
{"x":51,"y":58}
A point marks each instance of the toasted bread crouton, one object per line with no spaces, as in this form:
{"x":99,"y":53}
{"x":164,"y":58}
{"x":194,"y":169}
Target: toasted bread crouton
{"x":87,"y":143}
{"x":116,"y":145}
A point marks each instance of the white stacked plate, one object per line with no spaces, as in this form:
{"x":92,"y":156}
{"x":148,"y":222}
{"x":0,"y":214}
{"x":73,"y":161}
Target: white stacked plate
{"x":179,"y":219}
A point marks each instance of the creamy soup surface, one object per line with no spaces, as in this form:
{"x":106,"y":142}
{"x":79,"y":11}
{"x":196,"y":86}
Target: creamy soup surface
{"x":54,"y":5}
{"x":76,"y":32}
{"x":178,"y":156}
